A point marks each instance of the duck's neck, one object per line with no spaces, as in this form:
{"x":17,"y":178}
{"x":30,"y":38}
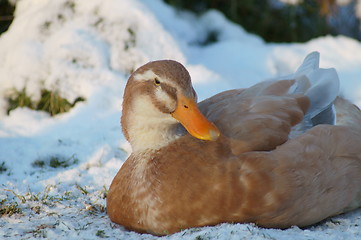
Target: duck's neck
{"x":148,"y":129}
{"x":151,"y":136}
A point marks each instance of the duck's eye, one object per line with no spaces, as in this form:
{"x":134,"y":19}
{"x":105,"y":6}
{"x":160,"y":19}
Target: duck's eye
{"x":156,"y":81}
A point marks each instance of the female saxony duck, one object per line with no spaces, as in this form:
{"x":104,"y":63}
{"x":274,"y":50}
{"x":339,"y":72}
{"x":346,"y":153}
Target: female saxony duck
{"x":274,"y":154}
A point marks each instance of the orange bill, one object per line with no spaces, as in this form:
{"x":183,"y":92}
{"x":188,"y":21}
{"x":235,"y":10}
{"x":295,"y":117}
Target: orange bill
{"x":188,"y":114}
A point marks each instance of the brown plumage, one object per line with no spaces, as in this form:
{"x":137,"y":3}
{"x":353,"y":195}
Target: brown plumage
{"x":246,"y":169}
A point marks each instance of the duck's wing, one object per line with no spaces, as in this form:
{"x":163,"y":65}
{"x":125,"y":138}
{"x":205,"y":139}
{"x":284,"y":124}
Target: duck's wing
{"x":257,"y":118}
{"x":265,"y":115}
{"x":324,"y":167}
{"x":305,"y":180}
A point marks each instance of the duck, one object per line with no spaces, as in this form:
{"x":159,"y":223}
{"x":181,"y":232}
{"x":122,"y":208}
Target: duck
{"x":284,"y":152}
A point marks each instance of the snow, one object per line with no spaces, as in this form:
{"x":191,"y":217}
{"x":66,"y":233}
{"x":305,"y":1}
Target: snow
{"x":88,"y":49}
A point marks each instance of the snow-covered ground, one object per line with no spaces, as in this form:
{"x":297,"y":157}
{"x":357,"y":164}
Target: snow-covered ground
{"x":88,"y":49}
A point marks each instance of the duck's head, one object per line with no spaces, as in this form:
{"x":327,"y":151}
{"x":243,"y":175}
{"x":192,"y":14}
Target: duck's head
{"x":158,"y":96}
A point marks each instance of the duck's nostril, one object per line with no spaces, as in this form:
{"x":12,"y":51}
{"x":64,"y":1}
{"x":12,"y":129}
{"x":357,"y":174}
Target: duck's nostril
{"x":185,"y":106}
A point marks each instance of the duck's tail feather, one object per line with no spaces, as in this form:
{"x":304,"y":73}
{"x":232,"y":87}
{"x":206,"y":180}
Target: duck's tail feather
{"x":310,"y":63}
{"x":322,"y":88}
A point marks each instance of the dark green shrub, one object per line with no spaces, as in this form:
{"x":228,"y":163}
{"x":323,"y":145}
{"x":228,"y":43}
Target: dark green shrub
{"x":290,"y":23}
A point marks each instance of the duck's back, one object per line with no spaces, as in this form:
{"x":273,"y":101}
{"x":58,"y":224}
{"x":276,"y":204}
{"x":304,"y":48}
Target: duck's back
{"x":267,"y":114}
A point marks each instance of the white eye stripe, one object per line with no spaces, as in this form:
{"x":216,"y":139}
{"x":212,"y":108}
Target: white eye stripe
{"x":145,"y":76}
{"x":149,"y":75}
